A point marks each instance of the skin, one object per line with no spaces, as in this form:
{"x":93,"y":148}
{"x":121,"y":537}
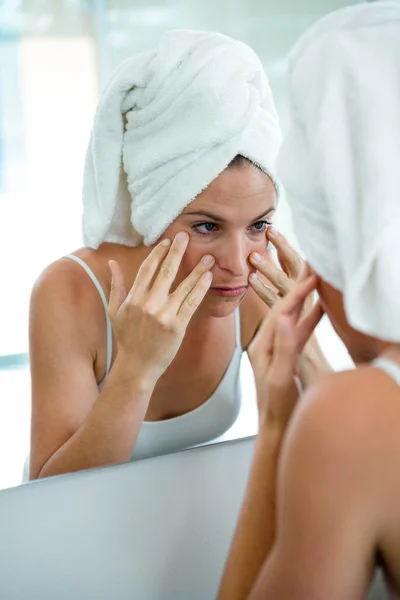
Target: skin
{"x":73,"y":425}
{"x":321,"y":506}
{"x":244,"y":200}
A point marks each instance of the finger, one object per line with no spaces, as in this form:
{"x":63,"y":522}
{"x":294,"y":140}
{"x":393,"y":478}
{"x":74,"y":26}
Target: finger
{"x":195,"y":298}
{"x":294,"y":268}
{"x":170,"y":265}
{"x":293,"y":304}
{"x":307,"y":325}
{"x":267,"y":294}
{"x":183,"y":290}
{"x":285,"y":356}
{"x":148,"y":270}
{"x":308,"y":272}
{"x":274,"y":274}
{"x":118,"y":288}
{"x":289,"y":258}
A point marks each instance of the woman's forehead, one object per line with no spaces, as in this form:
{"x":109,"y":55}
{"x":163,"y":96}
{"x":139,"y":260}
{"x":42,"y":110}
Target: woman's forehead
{"x":247,"y":190}
{"x":232,"y":212}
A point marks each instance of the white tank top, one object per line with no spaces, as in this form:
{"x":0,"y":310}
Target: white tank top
{"x":203,"y":424}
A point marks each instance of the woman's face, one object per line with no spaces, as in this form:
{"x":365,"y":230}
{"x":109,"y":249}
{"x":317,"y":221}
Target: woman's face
{"x":227,"y":220}
{"x":362,"y":348}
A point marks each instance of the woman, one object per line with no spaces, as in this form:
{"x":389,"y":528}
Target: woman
{"x":182,"y":151}
{"x":331,"y":467}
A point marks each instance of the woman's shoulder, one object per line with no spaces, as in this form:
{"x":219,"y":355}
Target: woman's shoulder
{"x":64,"y":293}
{"x":366,"y":387}
{"x":64,"y":278}
{"x":340,"y":456}
{"x":68,"y":278}
{"x":346,"y":428}
{"x":355,"y":408}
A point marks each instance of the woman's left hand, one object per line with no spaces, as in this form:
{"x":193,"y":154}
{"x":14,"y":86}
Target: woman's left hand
{"x":312,"y":362}
{"x":274,"y":353}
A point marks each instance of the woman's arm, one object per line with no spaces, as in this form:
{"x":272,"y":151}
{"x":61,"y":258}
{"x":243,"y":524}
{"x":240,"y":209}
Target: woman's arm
{"x":273,"y":355}
{"x":255,"y":532}
{"x":331,"y":512}
{"x":73,"y":426}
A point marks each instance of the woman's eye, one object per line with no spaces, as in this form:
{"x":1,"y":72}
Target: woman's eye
{"x":261,"y":226}
{"x":204,"y":228}
{"x":207,"y":227}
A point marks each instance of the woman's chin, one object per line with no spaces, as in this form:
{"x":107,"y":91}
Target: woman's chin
{"x":221,"y":307}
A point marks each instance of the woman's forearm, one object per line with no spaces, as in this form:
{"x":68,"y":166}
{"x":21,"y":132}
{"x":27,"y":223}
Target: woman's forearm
{"x":108,"y":434}
{"x":255,"y":531}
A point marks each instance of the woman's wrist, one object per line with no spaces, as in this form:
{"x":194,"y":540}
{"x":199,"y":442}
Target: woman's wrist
{"x":134,"y":377}
{"x":312,"y":363}
{"x":270,"y":433}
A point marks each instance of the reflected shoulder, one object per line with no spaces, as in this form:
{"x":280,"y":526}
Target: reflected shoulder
{"x":64,"y":299}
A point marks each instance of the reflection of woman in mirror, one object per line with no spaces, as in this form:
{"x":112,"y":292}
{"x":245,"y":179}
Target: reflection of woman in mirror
{"x":184,"y":141}
{"x":332,"y":465}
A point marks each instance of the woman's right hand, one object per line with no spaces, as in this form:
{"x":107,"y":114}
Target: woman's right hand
{"x":149,"y":322}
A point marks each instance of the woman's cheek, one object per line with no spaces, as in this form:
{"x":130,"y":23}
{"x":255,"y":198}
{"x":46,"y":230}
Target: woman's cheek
{"x":188,"y":263}
{"x":260,"y":246}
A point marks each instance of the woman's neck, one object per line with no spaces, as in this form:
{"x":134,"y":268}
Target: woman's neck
{"x":391,"y":352}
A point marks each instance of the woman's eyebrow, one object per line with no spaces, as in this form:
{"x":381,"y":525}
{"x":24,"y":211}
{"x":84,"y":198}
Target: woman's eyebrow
{"x":221,"y":219}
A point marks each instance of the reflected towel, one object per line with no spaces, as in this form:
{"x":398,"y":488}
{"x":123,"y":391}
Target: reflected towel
{"x":169,"y":122}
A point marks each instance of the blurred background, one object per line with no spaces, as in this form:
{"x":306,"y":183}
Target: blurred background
{"x":55,"y":58}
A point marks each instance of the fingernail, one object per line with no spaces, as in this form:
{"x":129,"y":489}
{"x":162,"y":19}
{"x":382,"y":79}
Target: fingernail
{"x":254,"y":278}
{"x":273,"y":231}
{"x":207,"y":260}
{"x":182,"y":236}
{"x":256,"y":256}
{"x":166,"y":242}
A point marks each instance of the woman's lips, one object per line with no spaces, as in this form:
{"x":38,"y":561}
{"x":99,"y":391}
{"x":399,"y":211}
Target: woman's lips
{"x":220,"y":291}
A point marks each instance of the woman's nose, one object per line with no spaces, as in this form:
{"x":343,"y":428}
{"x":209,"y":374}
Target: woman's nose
{"x":234,"y":257}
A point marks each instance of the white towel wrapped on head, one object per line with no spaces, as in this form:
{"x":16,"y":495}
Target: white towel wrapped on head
{"x":340,"y":162}
{"x":169,"y":122}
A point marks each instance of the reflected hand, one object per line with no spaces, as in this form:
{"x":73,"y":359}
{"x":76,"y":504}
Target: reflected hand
{"x":312,"y":362}
{"x":149,"y":322}
{"x":274,"y":353}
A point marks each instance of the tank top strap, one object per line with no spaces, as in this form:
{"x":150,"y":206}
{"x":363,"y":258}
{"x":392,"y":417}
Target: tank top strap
{"x":237,"y":329}
{"x":105,"y":304}
{"x":389,"y":366}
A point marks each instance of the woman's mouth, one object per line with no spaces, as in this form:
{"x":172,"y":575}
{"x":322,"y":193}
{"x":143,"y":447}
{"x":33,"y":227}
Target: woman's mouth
{"x":229,"y":291}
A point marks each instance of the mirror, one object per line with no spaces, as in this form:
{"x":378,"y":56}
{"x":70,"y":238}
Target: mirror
{"x":54,"y":63}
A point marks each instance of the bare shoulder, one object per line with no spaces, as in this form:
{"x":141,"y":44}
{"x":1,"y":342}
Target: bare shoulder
{"x":61,"y":277}
{"x":63,"y":291}
{"x":347,"y":424}
{"x":365,"y":396}
{"x":339,"y":461}
{"x":65,"y":285}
